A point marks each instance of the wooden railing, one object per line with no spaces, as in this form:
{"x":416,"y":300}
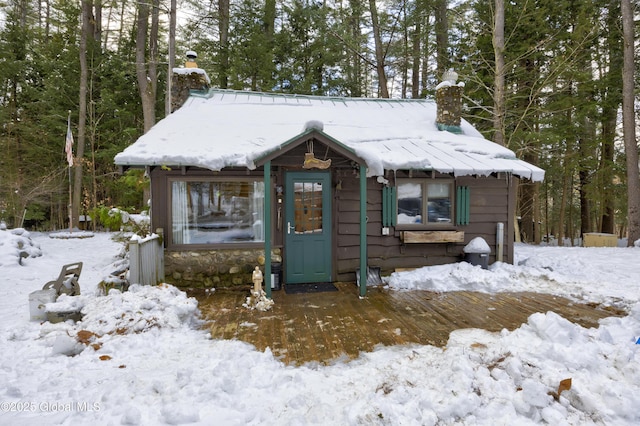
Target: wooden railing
{"x":146,"y":260}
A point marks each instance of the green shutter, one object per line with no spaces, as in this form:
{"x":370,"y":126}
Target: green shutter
{"x":394,"y":207}
{"x":462,"y":205}
{"x":389,"y":214}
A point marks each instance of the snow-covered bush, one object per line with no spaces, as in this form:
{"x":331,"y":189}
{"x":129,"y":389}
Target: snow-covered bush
{"x":16,"y":244}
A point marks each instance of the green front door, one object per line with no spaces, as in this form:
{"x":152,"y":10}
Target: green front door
{"x":307,"y":227}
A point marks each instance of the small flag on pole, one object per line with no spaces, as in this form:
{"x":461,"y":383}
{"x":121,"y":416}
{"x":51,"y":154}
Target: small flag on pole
{"x":68,"y":147}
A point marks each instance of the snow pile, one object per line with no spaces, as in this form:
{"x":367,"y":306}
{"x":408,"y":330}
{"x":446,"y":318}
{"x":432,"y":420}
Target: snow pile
{"x":75,"y":234}
{"x":523,"y":369}
{"x":138,"y":357}
{"x":258,"y":300}
{"x":16,"y":244}
{"x":610,"y":276}
{"x":464,"y":276}
{"x":478,"y":245}
{"x":66,"y":303}
{"x":139,"y":309}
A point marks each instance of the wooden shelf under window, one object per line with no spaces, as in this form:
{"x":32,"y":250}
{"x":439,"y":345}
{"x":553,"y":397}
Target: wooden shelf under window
{"x":409,"y":237}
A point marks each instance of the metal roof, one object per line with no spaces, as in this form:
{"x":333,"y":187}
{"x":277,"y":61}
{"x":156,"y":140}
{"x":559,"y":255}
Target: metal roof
{"x":226,"y":128}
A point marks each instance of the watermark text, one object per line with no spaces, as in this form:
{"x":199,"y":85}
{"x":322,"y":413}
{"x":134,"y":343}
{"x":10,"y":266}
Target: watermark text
{"x":48,"y":406}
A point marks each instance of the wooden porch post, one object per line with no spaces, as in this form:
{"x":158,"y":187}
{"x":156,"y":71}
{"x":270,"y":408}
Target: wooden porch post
{"x":267,"y":228}
{"x":363,"y":230}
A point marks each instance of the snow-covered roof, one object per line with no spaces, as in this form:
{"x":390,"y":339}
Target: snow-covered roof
{"x":228,"y":128}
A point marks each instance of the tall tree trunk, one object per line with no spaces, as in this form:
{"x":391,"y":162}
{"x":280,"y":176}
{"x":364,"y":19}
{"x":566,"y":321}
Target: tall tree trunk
{"x":121,"y":31}
{"x":380,"y":59}
{"x":105,"y":40}
{"x":47,"y":24}
{"x":85,"y":34}
{"x":154,"y":52}
{"x":94,"y":82}
{"x":529,"y":199}
{"x":566,"y":190}
{"x":442,"y":36}
{"x":416,"y":53}
{"x":269,"y":31}
{"x":612,"y":99}
{"x":172,"y":57}
{"x":355,"y":11}
{"x":147,"y":74}
{"x":585,"y":205}
{"x":607,"y":220}
{"x":629,"y":123}
{"x":97,"y":22}
{"x":571,"y":227}
{"x":223,"y":28}
{"x":498,"y":90}
{"x":406,"y":53}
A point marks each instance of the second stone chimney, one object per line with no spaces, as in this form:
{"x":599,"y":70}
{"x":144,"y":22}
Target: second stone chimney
{"x":449,"y":103}
{"x":186,"y":80}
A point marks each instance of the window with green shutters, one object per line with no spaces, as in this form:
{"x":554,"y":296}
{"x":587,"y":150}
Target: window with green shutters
{"x":410,"y":206}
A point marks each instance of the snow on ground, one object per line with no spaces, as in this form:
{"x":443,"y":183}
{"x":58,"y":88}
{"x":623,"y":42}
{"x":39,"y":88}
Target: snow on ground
{"x":596,"y":274}
{"x":139,"y":357}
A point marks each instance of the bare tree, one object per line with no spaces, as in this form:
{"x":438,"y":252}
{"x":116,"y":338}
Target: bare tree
{"x":416,"y":53}
{"x":442,"y":35}
{"x":380,"y":57}
{"x":629,"y":123}
{"x":172,"y":56}
{"x":498,"y":93}
{"x":223,"y":27}
{"x":86,"y":33}
{"x":146,"y":70}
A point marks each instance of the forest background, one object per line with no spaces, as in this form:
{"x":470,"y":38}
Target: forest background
{"x":553,"y":80}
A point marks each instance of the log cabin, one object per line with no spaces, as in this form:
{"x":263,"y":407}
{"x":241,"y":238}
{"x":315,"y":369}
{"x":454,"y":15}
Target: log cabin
{"x":315,"y":189}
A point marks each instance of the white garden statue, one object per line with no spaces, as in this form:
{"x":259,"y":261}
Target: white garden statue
{"x":258,"y":298}
{"x":257,"y":280}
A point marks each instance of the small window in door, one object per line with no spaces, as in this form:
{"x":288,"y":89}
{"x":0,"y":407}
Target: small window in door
{"x":308,"y":207}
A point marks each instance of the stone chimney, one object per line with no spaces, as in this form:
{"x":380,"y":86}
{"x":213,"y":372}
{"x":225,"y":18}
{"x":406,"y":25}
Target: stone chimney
{"x":187,"y":80}
{"x":449,"y":103}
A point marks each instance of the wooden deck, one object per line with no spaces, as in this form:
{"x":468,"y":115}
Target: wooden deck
{"x":325,"y":326}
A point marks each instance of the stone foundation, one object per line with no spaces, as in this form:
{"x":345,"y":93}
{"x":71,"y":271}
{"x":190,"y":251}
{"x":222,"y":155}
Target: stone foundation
{"x":214,"y":268}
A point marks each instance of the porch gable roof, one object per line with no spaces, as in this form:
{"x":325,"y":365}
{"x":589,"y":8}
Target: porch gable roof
{"x":308,"y":135}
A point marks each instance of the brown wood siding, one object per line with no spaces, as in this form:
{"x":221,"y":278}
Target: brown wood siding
{"x":492,"y":201}
{"x":159,"y":200}
{"x":490,"y":204}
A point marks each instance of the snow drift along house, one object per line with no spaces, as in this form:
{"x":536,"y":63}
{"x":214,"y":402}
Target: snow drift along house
{"x":325,"y":185}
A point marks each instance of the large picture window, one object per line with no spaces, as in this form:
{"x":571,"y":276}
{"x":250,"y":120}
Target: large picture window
{"x":217,"y":212}
{"x":423,"y":202}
